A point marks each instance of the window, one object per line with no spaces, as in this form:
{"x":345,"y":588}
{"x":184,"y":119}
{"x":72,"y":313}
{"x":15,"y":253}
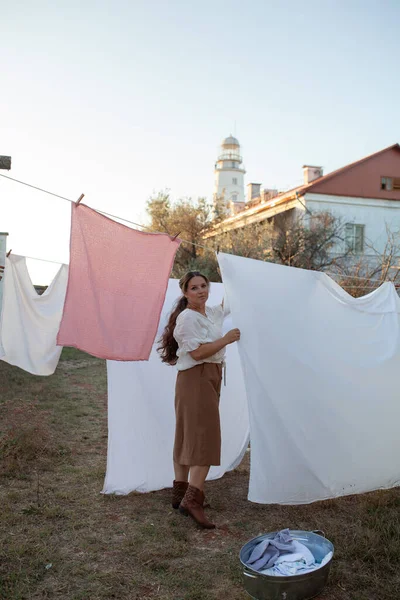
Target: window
{"x":234,"y":197}
{"x":234,"y":181}
{"x":234,"y":164}
{"x":354,"y":237}
{"x":387,"y":184}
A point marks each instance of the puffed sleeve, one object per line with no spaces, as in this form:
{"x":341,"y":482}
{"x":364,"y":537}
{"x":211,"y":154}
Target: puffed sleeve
{"x":189,"y":332}
{"x":221,"y":310}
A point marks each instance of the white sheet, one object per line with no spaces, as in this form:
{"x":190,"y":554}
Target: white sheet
{"x":321,"y":371}
{"x":141,"y":418}
{"x":29,"y":322}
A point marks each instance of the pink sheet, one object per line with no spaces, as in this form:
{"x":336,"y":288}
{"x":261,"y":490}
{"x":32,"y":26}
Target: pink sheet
{"x":116,"y":287}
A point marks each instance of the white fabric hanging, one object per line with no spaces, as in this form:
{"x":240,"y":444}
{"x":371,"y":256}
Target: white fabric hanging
{"x":321,"y":371}
{"x":141,"y":417}
{"x":29,"y":322}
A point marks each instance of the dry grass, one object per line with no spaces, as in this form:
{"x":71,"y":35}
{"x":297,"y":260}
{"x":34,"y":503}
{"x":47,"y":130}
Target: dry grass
{"x":61,"y":539}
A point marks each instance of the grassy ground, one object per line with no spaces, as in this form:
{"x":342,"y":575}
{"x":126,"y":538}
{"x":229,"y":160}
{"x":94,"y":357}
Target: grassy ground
{"x":61,"y":539}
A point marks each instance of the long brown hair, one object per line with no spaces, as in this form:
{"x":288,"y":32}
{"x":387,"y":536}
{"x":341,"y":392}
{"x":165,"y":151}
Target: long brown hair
{"x":168,"y":345}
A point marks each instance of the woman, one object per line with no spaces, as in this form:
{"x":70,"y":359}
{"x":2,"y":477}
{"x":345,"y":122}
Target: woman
{"x":193,"y":341}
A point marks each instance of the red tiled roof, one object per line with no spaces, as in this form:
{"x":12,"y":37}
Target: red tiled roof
{"x":350,"y":166}
{"x":307,"y":186}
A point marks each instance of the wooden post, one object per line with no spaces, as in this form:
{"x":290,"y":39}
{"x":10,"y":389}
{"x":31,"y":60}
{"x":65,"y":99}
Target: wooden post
{"x":5,"y":163}
{"x":3,"y":250}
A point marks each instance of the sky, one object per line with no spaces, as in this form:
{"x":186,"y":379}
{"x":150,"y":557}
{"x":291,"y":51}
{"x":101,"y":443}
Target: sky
{"x":121,"y":99}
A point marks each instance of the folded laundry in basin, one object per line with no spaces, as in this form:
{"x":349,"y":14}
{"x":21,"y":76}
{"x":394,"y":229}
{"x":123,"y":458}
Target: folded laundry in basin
{"x":283,"y":556}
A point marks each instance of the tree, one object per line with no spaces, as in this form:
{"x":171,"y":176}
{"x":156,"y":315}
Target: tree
{"x":314,"y":242}
{"x":252,"y":241}
{"x":310,"y":241}
{"x":189,"y":220}
{"x":360,"y":275}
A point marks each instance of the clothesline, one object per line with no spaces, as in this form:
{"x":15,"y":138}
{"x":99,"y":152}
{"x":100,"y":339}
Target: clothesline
{"x":55,"y":262}
{"x":136,"y":225}
{"x":102,"y":212}
{"x":327,"y":272}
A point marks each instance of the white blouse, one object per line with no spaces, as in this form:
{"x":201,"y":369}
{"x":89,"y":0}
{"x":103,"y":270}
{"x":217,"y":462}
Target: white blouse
{"x":193,"y":329}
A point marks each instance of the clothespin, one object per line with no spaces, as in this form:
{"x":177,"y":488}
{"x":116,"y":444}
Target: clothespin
{"x":175,"y":236}
{"x":8,"y":253}
{"x":79,"y":199}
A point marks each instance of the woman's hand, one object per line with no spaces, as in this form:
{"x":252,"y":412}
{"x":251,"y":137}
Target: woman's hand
{"x":232,"y":336}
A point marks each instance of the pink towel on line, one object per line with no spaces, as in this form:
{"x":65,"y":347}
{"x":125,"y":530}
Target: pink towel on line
{"x":117,"y":282}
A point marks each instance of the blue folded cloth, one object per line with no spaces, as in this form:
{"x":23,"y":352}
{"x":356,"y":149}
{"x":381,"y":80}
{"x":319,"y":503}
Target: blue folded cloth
{"x":266,"y":552}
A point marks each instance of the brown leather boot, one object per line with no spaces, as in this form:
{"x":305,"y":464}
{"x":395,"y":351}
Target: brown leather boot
{"x":192,"y":505}
{"x":178,"y":491}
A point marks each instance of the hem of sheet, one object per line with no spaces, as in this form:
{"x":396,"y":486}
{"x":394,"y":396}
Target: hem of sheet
{"x":104,"y":357}
{"x":323,"y":498}
{"x":9,"y":362}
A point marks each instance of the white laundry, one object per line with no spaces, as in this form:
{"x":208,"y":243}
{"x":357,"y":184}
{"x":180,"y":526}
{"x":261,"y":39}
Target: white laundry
{"x":296,"y":563}
{"x":288,"y":568}
{"x":326,"y":559}
{"x":321,"y":372}
{"x":2,"y":353}
{"x":29,"y":322}
{"x":141,"y":416}
{"x":300,"y":553}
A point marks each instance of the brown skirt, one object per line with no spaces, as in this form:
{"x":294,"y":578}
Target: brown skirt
{"x":198,"y":432}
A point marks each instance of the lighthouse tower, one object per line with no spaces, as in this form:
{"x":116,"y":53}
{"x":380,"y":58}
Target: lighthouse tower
{"x":229,"y":173}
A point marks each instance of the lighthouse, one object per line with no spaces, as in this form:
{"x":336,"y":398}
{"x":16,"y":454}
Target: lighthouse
{"x":229,"y":176}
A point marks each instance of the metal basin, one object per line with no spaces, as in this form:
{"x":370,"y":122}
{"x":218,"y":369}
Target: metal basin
{"x":295,"y":587}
